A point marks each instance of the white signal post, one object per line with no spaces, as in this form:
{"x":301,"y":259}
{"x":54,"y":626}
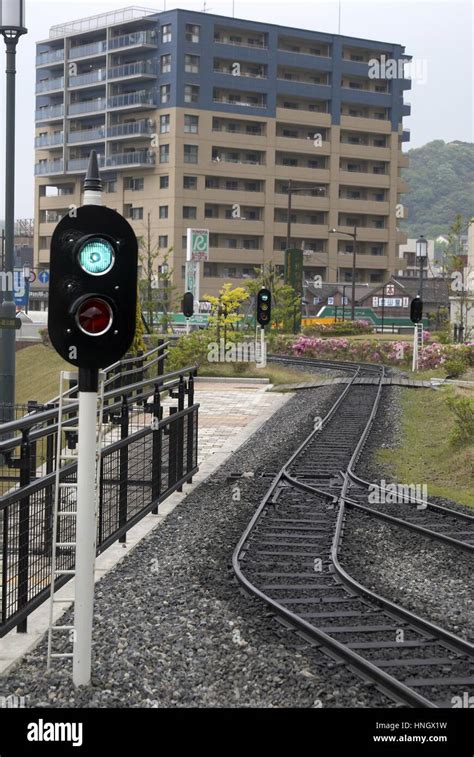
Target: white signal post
{"x":87,"y":490}
{"x":263,"y":348}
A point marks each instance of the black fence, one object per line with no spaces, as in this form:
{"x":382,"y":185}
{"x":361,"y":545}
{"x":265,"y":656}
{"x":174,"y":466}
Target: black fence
{"x":146,"y":455}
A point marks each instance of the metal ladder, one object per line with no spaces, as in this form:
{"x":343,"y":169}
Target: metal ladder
{"x":419,"y":335}
{"x":64,"y":457}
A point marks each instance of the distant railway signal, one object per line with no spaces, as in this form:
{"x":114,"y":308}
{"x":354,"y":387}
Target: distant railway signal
{"x":187,"y":304}
{"x":93,"y":287}
{"x":264,"y":307}
{"x":416,"y":310}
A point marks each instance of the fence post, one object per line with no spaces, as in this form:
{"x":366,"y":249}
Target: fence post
{"x":123,"y":475}
{"x":156,"y":446}
{"x":172,"y":441}
{"x":160,"y":366}
{"x":180,"y":456}
{"x":190,"y":431}
{"x":24,"y":529}
{"x":48,"y":505}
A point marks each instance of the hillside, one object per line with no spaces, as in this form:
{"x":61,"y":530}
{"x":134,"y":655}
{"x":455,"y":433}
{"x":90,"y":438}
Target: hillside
{"x":441,"y":180}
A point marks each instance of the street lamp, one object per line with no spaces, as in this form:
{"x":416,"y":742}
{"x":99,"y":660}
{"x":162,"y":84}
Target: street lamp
{"x":352,"y":234}
{"x":421,"y":254}
{"x":12,"y":26}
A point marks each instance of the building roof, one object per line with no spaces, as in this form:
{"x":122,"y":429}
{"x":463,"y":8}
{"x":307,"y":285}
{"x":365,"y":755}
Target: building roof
{"x":435,"y":290}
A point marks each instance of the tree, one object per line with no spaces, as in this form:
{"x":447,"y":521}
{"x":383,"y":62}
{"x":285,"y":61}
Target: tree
{"x":225,"y":309}
{"x":157,"y":288}
{"x":138,"y":344}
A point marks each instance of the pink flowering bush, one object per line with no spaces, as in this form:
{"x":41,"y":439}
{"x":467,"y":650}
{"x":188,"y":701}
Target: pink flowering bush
{"x":432,"y":355}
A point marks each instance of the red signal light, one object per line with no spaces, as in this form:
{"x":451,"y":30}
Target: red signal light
{"x":94,"y":316}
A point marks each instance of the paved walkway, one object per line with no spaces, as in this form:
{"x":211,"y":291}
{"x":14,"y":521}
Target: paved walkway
{"x":230,"y":412}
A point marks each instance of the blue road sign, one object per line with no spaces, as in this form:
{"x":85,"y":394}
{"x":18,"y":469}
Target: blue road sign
{"x":21,"y":288}
{"x":43,"y":277}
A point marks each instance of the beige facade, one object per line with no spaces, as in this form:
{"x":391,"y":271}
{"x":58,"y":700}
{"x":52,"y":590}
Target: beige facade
{"x":226,"y":171}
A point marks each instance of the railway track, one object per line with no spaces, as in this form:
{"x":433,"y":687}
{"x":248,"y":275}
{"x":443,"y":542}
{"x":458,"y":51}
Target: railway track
{"x":289,"y":557}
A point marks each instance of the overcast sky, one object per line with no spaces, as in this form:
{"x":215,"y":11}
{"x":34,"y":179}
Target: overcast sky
{"x":438,"y":35}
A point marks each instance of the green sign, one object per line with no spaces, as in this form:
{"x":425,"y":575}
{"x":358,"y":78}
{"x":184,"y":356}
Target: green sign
{"x":198,"y":244}
{"x":10,"y":323}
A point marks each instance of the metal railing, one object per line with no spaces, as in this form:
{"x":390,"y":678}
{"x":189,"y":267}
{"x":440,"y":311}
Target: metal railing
{"x":47,"y":85}
{"x":50,"y":140}
{"x":133,"y":98}
{"x":86,"y":135}
{"x":50,"y":166}
{"x":138,"y":127}
{"x":145,"y":457}
{"x":81,"y":51}
{"x":55,"y":56}
{"x":53,"y":111}
{"x":94,"y":76}
{"x":87,"y":106}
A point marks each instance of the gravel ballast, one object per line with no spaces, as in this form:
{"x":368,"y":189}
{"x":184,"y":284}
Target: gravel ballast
{"x":171,"y":626}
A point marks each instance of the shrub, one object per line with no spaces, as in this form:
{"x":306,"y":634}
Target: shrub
{"x":342,"y":328}
{"x":44,"y":334}
{"x":455,"y":366}
{"x":463,"y":429}
{"x":190,"y":349}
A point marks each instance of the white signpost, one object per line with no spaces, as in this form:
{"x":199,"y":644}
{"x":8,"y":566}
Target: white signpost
{"x":197,"y":250}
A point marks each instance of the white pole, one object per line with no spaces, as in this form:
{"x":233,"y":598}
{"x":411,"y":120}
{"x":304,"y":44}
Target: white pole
{"x":187,"y":325}
{"x":415,"y":350}
{"x":86,"y":528}
{"x":263,"y":349}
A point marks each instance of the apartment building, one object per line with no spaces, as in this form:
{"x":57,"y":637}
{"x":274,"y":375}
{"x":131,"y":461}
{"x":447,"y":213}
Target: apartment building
{"x":201,"y":120}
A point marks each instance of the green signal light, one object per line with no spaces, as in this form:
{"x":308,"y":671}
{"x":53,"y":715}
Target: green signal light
{"x":96,"y":256}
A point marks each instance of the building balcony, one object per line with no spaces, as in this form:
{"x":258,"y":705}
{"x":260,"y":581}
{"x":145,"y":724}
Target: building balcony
{"x":87,"y":51}
{"x":143,"y":69}
{"x":362,"y":179}
{"x":234,"y":226}
{"x":363,"y":206}
{"x":299,"y":115}
{"x":403,"y":160}
{"x":302,"y":173}
{"x":299,"y":201}
{"x":84,"y":80}
{"x":242,"y":74}
{"x":58,"y":202}
{"x":261,"y":102}
{"x":238,"y":169}
{"x":49,"y":140}
{"x":303,"y":143}
{"x":136,"y":158}
{"x":49,"y":167}
{"x":142,"y":99}
{"x":369,"y":152}
{"x":49,"y":85}
{"x":130,"y":130}
{"x":134,"y":39}
{"x":80,"y":164}
{"x":365,"y":233}
{"x":87,"y":106}
{"x":239,"y":196}
{"x":50,"y":113}
{"x":363,"y":261}
{"x":235,"y":255}
{"x":378,"y":125}
{"x":46,"y":58}
{"x":402,"y":185}
{"x":225,"y":39}
{"x":86,"y":135}
{"x":302,"y":230}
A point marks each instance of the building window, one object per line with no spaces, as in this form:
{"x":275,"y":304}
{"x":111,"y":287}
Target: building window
{"x":164,"y":153}
{"x":191,"y":93}
{"x":163,"y":211}
{"x":165,"y":93}
{"x":192,"y":33}
{"x":189,"y":211}
{"x":190,"y":182}
{"x":212,"y":182}
{"x":166,"y":64}
{"x":191,"y":64}
{"x":110,"y":186}
{"x":135,"y":214}
{"x":164,"y":124}
{"x":184,"y":242}
{"x":164,"y":180}
{"x":166,"y":33}
{"x":190,"y":153}
{"x":191,"y":124}
{"x":163,"y":241}
{"x":136,"y":185}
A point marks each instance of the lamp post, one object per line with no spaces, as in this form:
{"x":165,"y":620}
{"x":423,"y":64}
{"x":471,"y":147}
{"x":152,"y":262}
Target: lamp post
{"x":421,"y":254}
{"x":352,"y":234}
{"x":12,"y":26}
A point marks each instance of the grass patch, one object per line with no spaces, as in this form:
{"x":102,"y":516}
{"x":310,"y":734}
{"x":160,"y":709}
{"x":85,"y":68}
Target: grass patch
{"x":275,"y":374}
{"x":37,"y":373}
{"x":425,"y":454}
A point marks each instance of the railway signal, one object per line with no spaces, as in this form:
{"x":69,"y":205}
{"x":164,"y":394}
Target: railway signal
{"x":93,"y":287}
{"x":187,"y":306}
{"x":264,"y":312}
{"x":416,"y":310}
{"x":91,"y":323}
{"x":264,"y":307}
